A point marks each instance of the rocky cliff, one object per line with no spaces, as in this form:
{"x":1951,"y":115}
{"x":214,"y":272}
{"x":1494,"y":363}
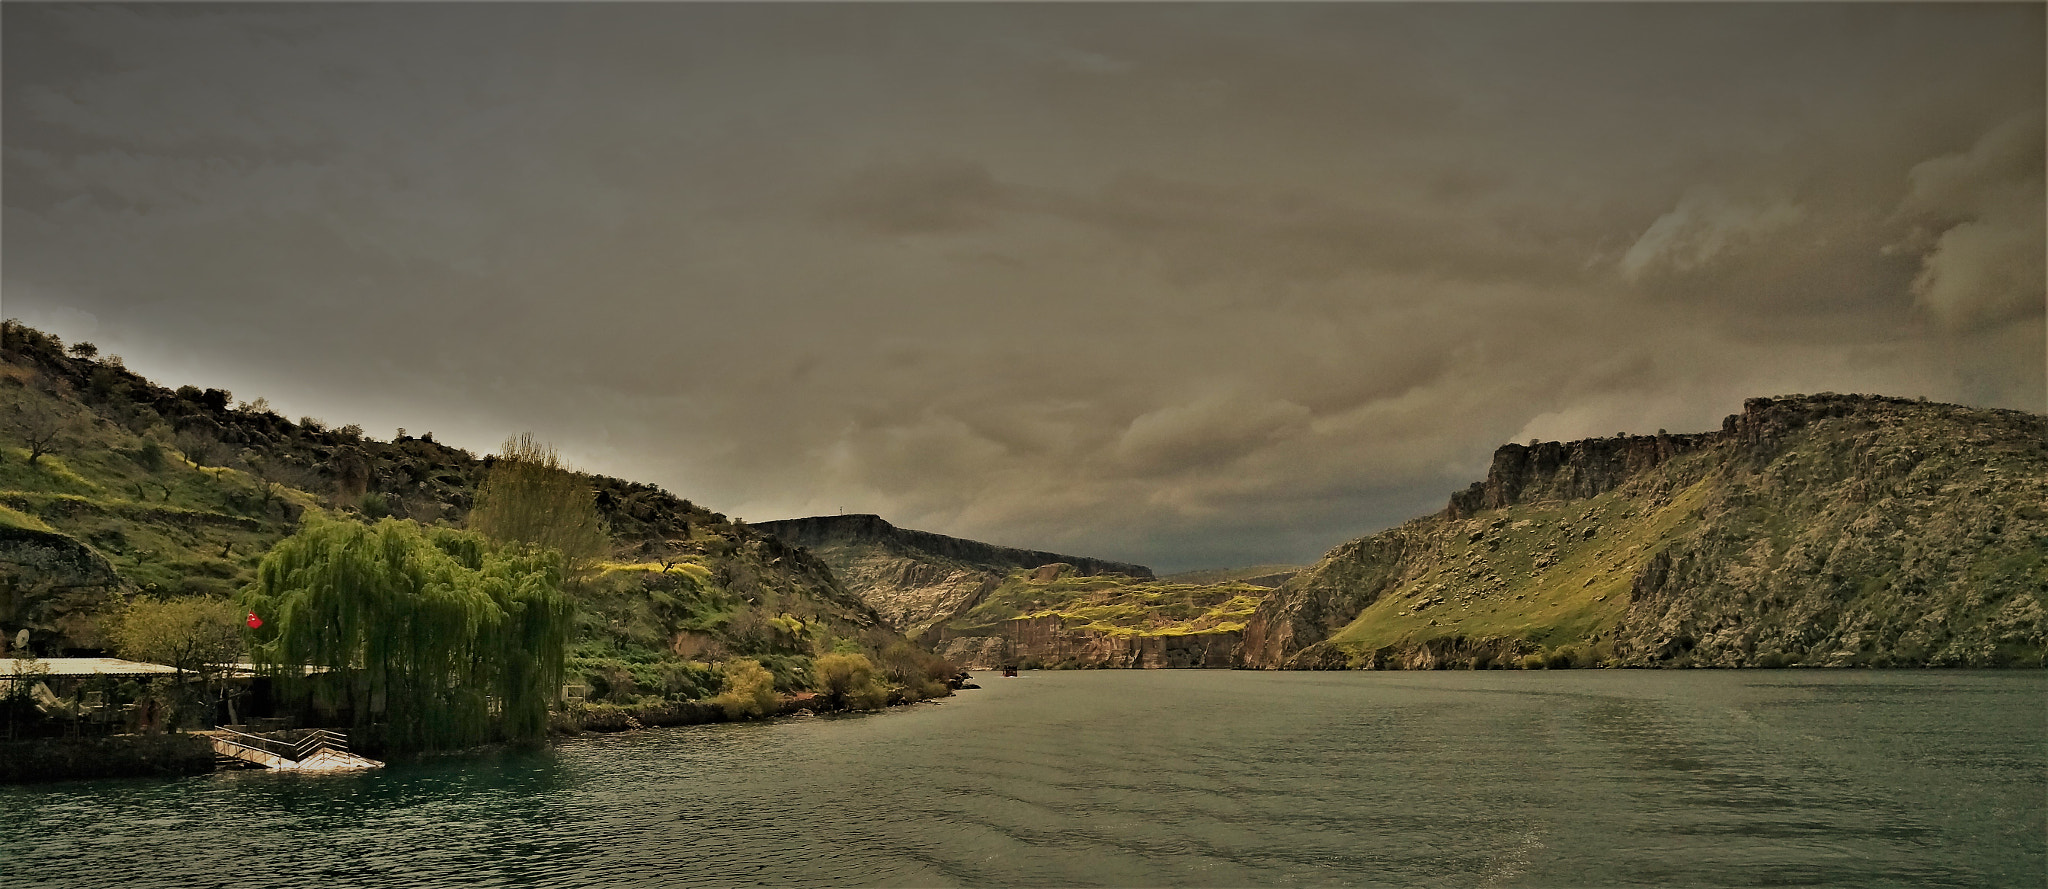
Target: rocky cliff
{"x":1821,"y":530}
{"x":916,"y":579}
{"x":52,"y":586}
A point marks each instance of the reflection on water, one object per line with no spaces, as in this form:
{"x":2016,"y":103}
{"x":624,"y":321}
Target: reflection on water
{"x":1157,"y":778}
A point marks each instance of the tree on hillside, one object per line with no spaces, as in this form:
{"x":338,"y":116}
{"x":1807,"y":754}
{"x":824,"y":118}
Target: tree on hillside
{"x":531,"y":500}
{"x":198,"y":636}
{"x":429,"y":631}
{"x":84,"y":350}
{"x":38,"y":424}
{"x":274,"y":476}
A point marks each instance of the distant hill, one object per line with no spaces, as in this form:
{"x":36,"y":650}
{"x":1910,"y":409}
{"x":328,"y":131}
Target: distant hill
{"x":917,"y":579}
{"x":1832,"y":530}
{"x":1269,"y":576}
{"x":1052,"y":616}
{"x":984,"y":605}
{"x":150,"y":490}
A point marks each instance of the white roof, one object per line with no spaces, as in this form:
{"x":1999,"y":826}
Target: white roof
{"x":84,"y":666}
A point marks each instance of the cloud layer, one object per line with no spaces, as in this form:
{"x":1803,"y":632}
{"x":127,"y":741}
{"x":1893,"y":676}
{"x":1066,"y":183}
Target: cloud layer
{"x":1184,"y":285}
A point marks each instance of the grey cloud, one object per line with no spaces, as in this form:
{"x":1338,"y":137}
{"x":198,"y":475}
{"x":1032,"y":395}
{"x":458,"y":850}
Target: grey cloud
{"x":1981,"y":247}
{"x":1182,"y":284}
{"x":919,"y":198}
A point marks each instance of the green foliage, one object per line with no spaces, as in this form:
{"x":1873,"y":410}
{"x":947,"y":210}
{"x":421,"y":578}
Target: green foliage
{"x":749,"y":689}
{"x":850,"y":681}
{"x":438,"y":624}
{"x":1565,"y":657}
{"x":151,"y":456}
{"x":531,"y":500}
{"x":922,"y":674}
{"x":1116,"y":605}
{"x":193,"y":634}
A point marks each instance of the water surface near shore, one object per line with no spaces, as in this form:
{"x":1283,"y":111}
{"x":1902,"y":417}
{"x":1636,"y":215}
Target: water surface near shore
{"x":1152,"y":778}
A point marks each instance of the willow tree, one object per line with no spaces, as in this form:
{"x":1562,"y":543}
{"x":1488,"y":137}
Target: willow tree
{"x":531,"y":500}
{"x":433,"y":630}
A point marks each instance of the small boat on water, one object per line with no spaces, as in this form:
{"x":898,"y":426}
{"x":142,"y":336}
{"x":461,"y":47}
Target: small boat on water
{"x":1009,"y":671}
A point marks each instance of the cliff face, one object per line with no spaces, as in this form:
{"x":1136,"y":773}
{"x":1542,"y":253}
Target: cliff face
{"x":916,"y":579}
{"x":53,"y":586}
{"x":1830,"y":530}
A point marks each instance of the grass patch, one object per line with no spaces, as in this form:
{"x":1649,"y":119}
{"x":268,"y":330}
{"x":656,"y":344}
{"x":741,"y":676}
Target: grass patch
{"x":1118,"y":606}
{"x":1537,"y":576}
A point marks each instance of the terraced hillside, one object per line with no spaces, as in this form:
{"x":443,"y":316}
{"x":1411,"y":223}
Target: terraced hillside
{"x":1054,"y":616}
{"x":112,"y":487}
{"x":1820,"y":530}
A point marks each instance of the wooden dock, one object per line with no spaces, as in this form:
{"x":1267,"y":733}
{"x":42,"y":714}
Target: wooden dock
{"x":319,"y":751}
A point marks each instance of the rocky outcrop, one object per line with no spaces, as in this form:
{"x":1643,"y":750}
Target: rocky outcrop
{"x":1315,"y":603}
{"x":1569,"y":470}
{"x":53,"y":586}
{"x":916,"y":579}
{"x":1819,"y":530}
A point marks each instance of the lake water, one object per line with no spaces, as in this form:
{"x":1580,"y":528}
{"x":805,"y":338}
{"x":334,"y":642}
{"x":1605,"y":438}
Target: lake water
{"x":1183,"y":778}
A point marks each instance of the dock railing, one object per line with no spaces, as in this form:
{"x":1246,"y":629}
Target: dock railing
{"x":313,"y":742}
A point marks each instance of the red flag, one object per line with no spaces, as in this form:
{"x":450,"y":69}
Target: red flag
{"x":254,"y":621}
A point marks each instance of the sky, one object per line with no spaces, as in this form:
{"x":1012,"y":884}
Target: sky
{"x":1189,"y":285}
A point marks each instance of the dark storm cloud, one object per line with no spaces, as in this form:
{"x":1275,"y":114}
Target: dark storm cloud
{"x":1181,"y":284}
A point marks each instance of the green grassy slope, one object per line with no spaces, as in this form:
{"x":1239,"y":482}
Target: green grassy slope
{"x":1830,"y":530}
{"x":1112,"y":604}
{"x":181,"y":492}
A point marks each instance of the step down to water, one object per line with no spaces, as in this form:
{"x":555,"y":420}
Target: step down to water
{"x":320,"y":752}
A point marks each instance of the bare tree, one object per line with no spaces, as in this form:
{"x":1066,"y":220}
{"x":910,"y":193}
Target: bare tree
{"x":200,"y":448}
{"x":276,"y":475}
{"x":38,"y":425}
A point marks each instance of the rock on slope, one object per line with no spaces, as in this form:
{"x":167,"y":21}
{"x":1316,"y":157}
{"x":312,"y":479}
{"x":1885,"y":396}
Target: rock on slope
{"x":917,"y":579}
{"x":1822,"y":530}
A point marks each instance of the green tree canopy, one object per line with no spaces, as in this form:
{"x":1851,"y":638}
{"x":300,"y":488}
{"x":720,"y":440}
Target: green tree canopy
{"x":195,"y":635}
{"x":531,"y":500}
{"x":440,"y":626}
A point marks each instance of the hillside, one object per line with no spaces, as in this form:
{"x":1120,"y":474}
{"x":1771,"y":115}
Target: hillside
{"x":917,"y":579}
{"x":1054,"y":616}
{"x":141,"y":489}
{"x":1819,"y":530}
{"x":986,"y":606}
{"x":1268,"y":576}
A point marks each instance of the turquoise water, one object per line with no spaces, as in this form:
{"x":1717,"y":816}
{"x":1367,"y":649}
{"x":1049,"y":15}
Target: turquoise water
{"x":1568,"y":779}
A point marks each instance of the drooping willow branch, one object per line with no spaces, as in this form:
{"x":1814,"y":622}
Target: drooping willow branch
{"x":429,"y":630}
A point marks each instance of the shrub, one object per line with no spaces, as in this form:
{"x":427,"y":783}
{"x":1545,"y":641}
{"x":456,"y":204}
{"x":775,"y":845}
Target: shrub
{"x":749,"y":689}
{"x":1532,"y":662}
{"x":1564,"y":657}
{"x":150,"y":456}
{"x":922,"y":674}
{"x":850,"y":681}
{"x":686,"y":681}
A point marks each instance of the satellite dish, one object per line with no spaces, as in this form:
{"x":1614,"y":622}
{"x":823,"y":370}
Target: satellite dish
{"x":21,"y":640}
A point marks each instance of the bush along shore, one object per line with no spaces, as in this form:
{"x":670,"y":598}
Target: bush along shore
{"x":606,"y":717}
